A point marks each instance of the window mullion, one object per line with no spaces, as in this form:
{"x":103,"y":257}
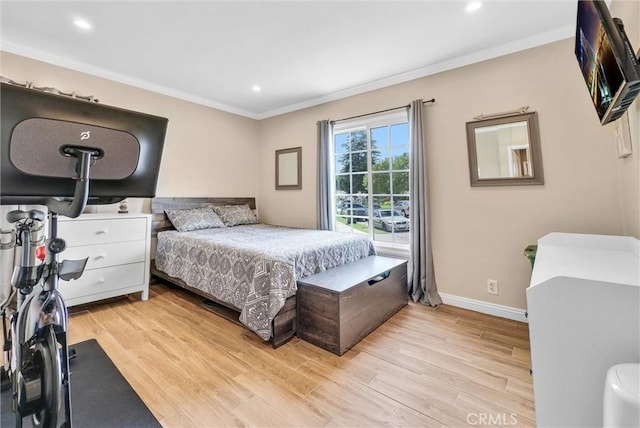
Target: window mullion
{"x":391,"y":190}
{"x":369,"y":183}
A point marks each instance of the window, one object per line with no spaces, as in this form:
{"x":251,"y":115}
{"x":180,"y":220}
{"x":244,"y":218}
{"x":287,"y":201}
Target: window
{"x":371,"y":178}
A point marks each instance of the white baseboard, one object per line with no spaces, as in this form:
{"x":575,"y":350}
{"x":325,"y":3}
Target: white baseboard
{"x":484,"y":307}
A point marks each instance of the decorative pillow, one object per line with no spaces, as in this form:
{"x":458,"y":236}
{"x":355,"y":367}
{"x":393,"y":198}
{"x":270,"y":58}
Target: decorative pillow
{"x":235,"y":215}
{"x":194,"y":219}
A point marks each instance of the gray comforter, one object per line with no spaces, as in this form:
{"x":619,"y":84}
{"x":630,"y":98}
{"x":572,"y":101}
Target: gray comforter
{"x":254,"y":268}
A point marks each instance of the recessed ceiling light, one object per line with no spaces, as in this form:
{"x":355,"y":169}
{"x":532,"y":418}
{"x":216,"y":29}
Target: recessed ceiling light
{"x":256,"y":88}
{"x":474,"y":5}
{"x":82,"y":23}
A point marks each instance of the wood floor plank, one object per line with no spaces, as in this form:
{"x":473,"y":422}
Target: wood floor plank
{"x":179,"y":419}
{"x":427,"y":367}
{"x":437,"y":320}
{"x":256,"y":412}
{"x":365,"y":367}
{"x":278,"y":372}
{"x":353,"y":404}
{"x":126,"y":335}
{"x":204,"y":376}
{"x":500,"y":415}
{"x":362,"y":369}
{"x":521,"y":389}
{"x":480,"y":345}
{"x":481,"y":360}
{"x":206,"y":411}
{"x":165,"y":372}
{"x":407,"y":417}
{"x":478,"y":318}
{"x":439,"y":407}
{"x":507,"y":339}
{"x":293,"y":407}
{"x":208,"y":356}
{"x":504,"y":401}
{"x":492,"y":326}
{"x":162,"y":404}
{"x":522,"y":355}
{"x":297,"y":352}
{"x":418,"y":358}
{"x":119,"y":355}
{"x":86,"y":329}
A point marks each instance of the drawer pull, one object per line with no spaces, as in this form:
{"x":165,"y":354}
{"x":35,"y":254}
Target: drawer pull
{"x":381,"y":277}
{"x":101,"y":281}
{"x":100,"y":257}
{"x":102,"y":232}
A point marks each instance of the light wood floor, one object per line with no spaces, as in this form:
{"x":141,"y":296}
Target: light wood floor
{"x":424,"y":367}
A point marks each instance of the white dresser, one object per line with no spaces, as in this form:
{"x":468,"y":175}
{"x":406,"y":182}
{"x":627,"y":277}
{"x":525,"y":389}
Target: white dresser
{"x":117,"y":246}
{"x":584,"y":317}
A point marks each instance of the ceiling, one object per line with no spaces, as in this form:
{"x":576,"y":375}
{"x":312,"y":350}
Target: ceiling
{"x":300,"y":53}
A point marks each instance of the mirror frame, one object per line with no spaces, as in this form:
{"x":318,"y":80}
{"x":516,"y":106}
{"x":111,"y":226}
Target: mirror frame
{"x":534,"y":145}
{"x":298,"y":184}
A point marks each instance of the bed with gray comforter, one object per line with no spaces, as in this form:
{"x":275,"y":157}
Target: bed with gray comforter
{"x":254,"y":268}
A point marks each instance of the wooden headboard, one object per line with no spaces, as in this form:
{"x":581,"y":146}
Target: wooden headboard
{"x":160,"y":221}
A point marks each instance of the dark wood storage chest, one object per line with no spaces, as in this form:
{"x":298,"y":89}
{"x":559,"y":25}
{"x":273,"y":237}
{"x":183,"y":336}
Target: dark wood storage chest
{"x":340,"y":306}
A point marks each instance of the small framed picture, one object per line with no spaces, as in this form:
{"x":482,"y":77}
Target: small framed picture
{"x":289,"y":169}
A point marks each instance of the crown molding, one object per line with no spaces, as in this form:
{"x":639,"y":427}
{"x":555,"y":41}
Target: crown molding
{"x":118,"y":77}
{"x":482,"y":55}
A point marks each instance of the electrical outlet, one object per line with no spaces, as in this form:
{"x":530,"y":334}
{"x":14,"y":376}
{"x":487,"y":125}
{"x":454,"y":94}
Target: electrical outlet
{"x":492,"y":286}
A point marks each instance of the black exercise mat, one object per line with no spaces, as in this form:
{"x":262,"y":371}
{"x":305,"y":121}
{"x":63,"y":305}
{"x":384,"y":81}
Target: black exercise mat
{"x":100,"y":395}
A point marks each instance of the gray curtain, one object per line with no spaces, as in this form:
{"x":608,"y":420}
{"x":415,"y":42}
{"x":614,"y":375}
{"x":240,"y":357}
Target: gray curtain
{"x":421,"y":276}
{"x":324,"y":202}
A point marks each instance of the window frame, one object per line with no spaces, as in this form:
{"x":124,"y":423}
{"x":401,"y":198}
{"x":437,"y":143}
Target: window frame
{"x":387,"y":119}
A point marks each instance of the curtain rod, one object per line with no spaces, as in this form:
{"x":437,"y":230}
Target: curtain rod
{"x":432,"y":100}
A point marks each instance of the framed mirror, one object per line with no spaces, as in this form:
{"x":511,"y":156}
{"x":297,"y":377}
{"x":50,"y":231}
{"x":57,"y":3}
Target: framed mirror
{"x":289,"y":169}
{"x":505,"y":151}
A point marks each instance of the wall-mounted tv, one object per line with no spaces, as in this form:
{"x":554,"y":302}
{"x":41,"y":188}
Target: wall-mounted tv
{"x":607,"y":60}
{"x":38,"y":129}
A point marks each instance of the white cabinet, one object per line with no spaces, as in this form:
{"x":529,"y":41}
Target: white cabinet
{"x":584,"y":317}
{"x":117,"y":246}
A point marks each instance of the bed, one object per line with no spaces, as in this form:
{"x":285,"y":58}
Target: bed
{"x":251,"y":269}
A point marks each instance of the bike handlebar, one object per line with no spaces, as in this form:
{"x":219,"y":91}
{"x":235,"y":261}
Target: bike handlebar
{"x":74,"y":207}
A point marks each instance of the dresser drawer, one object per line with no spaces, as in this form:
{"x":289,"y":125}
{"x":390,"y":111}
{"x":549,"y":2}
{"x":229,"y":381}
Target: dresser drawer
{"x":98,"y":281}
{"x":100,"y":256}
{"x":102,"y":231}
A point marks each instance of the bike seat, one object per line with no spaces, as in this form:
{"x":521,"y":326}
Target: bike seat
{"x":17,"y":215}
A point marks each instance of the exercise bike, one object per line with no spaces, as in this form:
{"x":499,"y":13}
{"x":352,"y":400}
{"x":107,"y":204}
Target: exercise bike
{"x":35,"y":342}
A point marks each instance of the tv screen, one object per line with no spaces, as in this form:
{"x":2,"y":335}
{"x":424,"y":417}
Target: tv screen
{"x":607,"y":62}
{"x":37,"y":130}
